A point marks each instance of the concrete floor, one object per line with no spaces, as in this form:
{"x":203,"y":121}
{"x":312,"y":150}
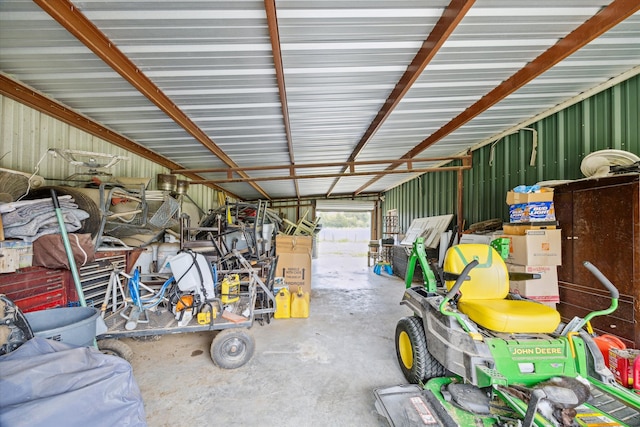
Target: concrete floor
{"x":319,"y":371}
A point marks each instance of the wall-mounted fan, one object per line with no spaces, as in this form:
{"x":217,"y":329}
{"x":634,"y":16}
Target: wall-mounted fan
{"x":599,"y":163}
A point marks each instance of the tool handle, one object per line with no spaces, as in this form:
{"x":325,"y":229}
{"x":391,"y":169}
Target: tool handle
{"x":603,"y":279}
{"x":54,"y":197}
{"x":463,"y":276}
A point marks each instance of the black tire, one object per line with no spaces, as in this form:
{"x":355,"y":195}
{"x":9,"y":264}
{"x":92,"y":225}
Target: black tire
{"x":116,"y":348}
{"x":232,"y":348}
{"x":416,"y":363}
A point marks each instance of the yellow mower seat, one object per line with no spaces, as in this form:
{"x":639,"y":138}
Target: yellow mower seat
{"x":483,"y":296}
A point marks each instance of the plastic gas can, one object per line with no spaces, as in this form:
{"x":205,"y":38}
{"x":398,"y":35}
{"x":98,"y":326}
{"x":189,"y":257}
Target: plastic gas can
{"x":605,"y":343}
{"x":283,"y":304}
{"x":230,"y":289}
{"x":300,"y":304}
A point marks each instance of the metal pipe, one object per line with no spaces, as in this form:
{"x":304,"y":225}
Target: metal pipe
{"x":350,"y":164}
{"x":459,"y":197}
{"x":67,"y":248}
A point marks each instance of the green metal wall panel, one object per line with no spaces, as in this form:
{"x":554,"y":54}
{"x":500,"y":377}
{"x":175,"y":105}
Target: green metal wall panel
{"x":607,"y":120}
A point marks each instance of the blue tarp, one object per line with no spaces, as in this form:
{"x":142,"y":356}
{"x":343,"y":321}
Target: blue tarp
{"x":50,"y":383}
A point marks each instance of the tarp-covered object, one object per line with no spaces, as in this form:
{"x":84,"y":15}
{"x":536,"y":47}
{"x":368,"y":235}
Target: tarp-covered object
{"x":50,"y":383}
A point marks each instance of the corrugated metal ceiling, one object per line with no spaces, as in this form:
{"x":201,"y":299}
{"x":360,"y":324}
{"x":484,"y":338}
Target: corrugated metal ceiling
{"x":246,"y":84}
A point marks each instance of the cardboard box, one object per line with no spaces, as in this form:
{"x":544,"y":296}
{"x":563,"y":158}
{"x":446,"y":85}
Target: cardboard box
{"x":621,"y":362}
{"x":536,"y":247}
{"x":9,"y":260}
{"x":545,"y":195}
{"x":520,"y":229}
{"x":22,"y":248}
{"x":532,"y":212}
{"x":544,"y":290}
{"x":294,"y":261}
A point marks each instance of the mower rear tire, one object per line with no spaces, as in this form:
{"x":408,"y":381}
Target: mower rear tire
{"x":416,"y":363}
{"x":232,"y":348}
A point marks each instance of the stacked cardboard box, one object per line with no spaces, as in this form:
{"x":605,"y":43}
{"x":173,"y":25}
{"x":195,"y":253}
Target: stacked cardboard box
{"x":531,"y":207}
{"x":294,"y":261}
{"x":15,"y":254}
{"x":534,"y":245}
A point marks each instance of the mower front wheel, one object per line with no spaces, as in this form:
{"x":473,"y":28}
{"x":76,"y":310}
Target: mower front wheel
{"x":416,"y":363}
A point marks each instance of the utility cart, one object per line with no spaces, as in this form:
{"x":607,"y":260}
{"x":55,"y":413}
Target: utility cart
{"x":195,"y":298}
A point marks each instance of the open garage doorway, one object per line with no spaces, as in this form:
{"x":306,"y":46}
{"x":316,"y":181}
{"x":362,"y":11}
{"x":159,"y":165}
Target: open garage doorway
{"x":343,"y":240}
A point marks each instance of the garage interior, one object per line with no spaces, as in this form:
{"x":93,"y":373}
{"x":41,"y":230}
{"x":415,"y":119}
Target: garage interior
{"x":203,"y":140}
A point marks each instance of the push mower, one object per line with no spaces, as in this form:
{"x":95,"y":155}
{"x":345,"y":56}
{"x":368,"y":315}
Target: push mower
{"x":476,"y":355}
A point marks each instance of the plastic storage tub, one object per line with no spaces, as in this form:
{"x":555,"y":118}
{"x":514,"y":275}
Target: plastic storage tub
{"x":71,"y":325}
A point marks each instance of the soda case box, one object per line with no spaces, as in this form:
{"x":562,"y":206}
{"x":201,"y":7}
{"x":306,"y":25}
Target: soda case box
{"x":531,"y":207}
{"x":532,"y":212}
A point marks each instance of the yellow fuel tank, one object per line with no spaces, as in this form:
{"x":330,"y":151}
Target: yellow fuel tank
{"x":230,"y":289}
{"x":300,"y":304}
{"x":283,"y":304}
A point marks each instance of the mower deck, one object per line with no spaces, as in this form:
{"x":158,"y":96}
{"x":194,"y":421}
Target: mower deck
{"x":411,"y":405}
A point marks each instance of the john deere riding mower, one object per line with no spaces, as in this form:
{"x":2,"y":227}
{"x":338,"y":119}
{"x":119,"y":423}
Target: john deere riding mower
{"x":476,"y":355}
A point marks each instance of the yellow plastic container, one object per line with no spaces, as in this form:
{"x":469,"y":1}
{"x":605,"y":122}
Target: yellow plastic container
{"x":300,"y":304}
{"x":283,"y":304}
{"x":230,"y":289}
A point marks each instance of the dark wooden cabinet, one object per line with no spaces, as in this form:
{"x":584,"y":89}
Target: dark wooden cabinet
{"x":600,"y":223}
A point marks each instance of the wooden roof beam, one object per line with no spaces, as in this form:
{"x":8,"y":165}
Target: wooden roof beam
{"x":600,"y":23}
{"x":274,"y":35}
{"x":33,"y":99}
{"x":68,"y":15}
{"x":451,"y":17}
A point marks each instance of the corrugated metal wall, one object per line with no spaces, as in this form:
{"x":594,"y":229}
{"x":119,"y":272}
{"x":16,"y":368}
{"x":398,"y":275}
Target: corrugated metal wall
{"x":26,"y":135}
{"x":429,"y":195}
{"x":607,"y":120}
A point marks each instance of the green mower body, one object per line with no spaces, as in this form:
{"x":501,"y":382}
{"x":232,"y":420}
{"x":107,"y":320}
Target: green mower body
{"x":469,"y":375}
{"x":496,"y":359}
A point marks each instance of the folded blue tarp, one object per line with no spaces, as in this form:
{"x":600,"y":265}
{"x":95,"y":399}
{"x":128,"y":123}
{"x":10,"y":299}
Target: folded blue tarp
{"x":50,"y":383}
